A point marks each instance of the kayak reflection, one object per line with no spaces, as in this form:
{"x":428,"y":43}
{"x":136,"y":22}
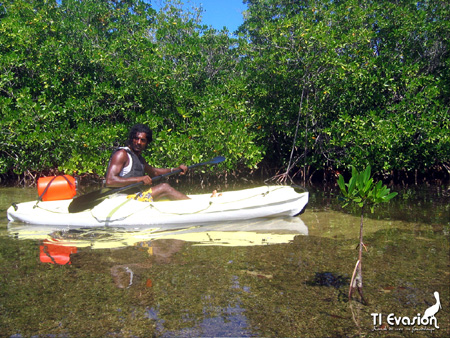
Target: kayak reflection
{"x":243,"y":233}
{"x":59,"y":244}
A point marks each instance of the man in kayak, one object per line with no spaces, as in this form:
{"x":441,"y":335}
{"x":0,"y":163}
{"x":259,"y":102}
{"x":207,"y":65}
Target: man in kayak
{"x":127,"y":166}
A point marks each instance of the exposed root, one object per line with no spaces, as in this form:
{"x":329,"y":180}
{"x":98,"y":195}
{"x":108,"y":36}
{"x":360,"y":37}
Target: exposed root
{"x":356,"y":283}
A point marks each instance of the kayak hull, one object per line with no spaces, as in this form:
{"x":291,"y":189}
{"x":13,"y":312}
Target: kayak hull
{"x":118,"y":210}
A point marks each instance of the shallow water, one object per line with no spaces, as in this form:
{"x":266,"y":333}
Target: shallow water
{"x":232,"y":281}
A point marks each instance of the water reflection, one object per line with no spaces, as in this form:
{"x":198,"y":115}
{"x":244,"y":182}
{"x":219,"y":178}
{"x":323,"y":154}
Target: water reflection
{"x":58,"y":245}
{"x":231,"y":322}
{"x":56,"y":252}
{"x":194,"y":282}
{"x":244,"y":233}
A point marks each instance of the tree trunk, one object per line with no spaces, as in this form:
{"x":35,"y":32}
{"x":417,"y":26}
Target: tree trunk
{"x":357,"y":282}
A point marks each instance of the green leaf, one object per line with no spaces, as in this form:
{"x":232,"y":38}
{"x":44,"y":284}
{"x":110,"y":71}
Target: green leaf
{"x":390,"y":196}
{"x":355,"y":172}
{"x":341,"y":184}
{"x":351,"y":185}
{"x":368,"y":186}
{"x":367,"y":173}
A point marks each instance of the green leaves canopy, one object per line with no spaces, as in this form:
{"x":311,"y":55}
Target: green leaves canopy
{"x":368,"y":82}
{"x":75,"y":75}
{"x":373,"y":76}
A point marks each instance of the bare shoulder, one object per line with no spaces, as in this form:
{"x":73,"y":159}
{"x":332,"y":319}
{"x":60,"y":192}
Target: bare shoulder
{"x":120,"y":156}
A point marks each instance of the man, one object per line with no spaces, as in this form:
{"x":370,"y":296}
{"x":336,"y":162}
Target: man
{"x":127,"y":166}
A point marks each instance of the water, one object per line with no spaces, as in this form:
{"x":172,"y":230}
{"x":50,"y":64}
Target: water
{"x":222,"y":283}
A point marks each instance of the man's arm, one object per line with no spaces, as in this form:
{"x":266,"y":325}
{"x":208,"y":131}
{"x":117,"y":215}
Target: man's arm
{"x":151,"y":171}
{"x":118,"y":162}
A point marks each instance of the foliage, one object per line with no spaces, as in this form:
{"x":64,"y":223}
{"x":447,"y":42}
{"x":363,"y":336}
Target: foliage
{"x":372,"y":77}
{"x":362,"y":190}
{"x":76,"y":75}
{"x":367,"y":81}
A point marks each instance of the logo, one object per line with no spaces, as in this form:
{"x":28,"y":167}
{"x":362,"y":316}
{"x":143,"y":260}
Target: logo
{"x":425,"y":322}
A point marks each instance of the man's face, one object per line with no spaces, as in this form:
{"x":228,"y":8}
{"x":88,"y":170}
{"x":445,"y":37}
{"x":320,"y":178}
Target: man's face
{"x":139,"y":142}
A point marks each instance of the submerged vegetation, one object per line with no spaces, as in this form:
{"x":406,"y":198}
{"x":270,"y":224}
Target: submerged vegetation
{"x":180,"y":289}
{"x":315,"y":86}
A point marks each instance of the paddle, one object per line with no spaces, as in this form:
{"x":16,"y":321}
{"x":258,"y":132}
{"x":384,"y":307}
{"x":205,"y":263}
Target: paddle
{"x":91,"y":199}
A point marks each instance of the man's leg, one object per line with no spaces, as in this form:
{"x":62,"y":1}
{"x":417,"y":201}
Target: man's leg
{"x":165,"y":190}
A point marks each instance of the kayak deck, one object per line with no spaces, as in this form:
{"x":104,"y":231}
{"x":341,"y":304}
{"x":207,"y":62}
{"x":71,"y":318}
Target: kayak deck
{"x":118,"y":210}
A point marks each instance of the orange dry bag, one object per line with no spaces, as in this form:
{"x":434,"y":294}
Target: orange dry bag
{"x":56,"y":188}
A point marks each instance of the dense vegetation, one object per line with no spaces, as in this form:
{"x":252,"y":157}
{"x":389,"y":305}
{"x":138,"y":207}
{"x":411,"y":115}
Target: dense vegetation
{"x":303,"y":84}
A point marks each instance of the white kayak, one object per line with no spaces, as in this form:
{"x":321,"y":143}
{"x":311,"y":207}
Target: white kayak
{"x":118,"y":210}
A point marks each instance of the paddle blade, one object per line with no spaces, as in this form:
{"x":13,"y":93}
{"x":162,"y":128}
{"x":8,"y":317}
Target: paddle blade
{"x":217,"y":159}
{"x":94,"y":198}
{"x":87,"y":201}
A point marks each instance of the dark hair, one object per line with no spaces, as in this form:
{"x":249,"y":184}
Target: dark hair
{"x":139,"y":128}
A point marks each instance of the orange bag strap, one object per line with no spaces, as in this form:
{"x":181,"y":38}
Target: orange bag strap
{"x":48,"y":186}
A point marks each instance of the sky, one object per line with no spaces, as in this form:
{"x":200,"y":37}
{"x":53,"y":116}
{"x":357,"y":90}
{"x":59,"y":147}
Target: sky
{"x":219,"y":13}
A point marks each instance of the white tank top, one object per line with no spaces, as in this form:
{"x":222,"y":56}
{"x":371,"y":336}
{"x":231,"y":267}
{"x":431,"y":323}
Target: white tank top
{"x":127,"y":169}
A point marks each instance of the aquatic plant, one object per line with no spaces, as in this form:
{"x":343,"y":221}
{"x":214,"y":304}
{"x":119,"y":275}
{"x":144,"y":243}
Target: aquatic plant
{"x":362,"y":191}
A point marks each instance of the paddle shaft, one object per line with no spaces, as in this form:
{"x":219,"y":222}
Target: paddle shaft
{"x":137,"y":184}
{"x":154,"y":179}
{"x":90,"y":200}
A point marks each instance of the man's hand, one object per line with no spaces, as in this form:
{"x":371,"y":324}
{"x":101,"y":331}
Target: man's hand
{"x":147,"y":180}
{"x":183,"y":168}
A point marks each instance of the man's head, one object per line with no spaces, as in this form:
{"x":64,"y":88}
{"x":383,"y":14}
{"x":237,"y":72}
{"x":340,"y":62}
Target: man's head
{"x":136,"y":137}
